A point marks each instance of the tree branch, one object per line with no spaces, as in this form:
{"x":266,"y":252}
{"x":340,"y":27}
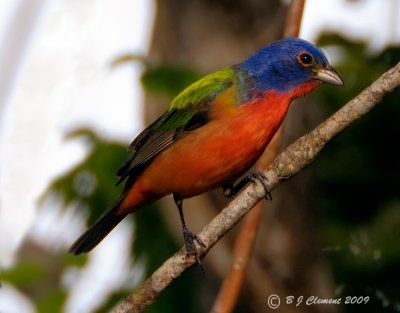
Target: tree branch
{"x":286,"y":165}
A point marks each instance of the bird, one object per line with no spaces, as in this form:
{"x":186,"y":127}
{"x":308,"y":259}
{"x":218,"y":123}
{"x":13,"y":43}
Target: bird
{"x":212,"y":133}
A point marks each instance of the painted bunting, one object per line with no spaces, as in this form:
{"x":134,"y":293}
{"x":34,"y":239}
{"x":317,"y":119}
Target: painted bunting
{"x":213,"y":132}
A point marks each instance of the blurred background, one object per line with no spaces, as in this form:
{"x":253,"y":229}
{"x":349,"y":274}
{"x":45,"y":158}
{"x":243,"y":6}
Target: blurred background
{"x":79,"y":79}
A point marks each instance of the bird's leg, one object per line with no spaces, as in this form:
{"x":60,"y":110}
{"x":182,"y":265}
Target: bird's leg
{"x":188,"y":236}
{"x":231,"y":191}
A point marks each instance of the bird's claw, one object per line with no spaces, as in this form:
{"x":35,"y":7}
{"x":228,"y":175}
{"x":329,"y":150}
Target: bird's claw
{"x":190,"y":238}
{"x":259,"y":175}
{"x":191,"y":249}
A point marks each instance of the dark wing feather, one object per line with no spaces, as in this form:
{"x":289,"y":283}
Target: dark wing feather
{"x":155,"y":139}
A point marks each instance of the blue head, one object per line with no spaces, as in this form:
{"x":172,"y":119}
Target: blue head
{"x":287,"y":64}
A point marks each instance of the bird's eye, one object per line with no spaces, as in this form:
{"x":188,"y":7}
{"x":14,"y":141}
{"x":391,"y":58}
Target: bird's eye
{"x":305,"y":59}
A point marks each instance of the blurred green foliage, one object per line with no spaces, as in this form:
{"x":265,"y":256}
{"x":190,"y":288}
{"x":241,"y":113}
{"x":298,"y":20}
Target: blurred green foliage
{"x":92,"y":182}
{"x":167,"y":79}
{"x":24,"y":273}
{"x":36,"y":279}
{"x":356,"y":185}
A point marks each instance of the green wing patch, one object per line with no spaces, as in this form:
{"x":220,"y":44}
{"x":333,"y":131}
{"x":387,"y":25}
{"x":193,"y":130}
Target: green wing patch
{"x":197,"y":95}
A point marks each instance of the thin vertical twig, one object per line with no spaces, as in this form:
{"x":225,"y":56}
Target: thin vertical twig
{"x":293,"y":18}
{"x":227,"y":297}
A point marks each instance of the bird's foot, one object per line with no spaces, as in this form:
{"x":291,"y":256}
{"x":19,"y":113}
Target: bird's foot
{"x":190,"y":238}
{"x":191,"y":249}
{"x":259,"y":175}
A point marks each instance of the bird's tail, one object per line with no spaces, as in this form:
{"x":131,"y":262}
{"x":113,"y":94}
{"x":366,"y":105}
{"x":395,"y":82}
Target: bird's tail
{"x":100,"y":229}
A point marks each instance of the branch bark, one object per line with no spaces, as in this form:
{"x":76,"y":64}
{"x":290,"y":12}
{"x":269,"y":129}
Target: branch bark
{"x":286,"y":165}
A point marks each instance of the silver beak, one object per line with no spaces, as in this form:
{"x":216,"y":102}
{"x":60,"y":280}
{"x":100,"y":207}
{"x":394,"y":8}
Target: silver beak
{"x":328,"y":75}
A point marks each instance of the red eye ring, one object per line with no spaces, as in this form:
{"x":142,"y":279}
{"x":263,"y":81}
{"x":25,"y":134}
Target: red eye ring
{"x":305,"y":59}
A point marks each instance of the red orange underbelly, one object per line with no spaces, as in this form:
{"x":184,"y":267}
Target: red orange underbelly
{"x":201,"y":161}
{"x":214,"y":154}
